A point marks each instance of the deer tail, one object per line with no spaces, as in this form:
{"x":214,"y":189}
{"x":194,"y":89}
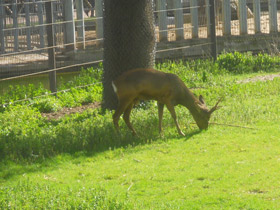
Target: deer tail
{"x":114,"y":87}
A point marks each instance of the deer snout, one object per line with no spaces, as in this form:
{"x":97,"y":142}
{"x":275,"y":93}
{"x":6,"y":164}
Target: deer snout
{"x":203,"y":127}
{"x":202,"y":123}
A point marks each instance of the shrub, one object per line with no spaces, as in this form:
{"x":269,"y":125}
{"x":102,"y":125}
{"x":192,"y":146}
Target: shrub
{"x":74,"y":97}
{"x":265,"y":62}
{"x":46,"y":105}
{"x":87,"y":76}
{"x":67,"y":99}
{"x":246,"y":62}
{"x":236,"y":62}
{"x":20,"y":127}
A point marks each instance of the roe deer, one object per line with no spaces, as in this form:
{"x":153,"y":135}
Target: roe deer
{"x":166,"y":88}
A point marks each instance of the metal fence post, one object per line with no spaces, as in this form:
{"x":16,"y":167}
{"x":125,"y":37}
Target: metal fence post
{"x":179,"y":22}
{"x":257,"y":15}
{"x":194,"y":18}
{"x":162,"y":20}
{"x":272,"y":5}
{"x":2,"y":34}
{"x":226,"y":17}
{"x":213,"y":37}
{"x":207,"y":12}
{"x":28,"y":30}
{"x":41,"y":22}
{"x":15,"y":25}
{"x":99,"y":20}
{"x":242,"y":17}
{"x":80,"y":24}
{"x":51,"y":44}
{"x":69,"y":25}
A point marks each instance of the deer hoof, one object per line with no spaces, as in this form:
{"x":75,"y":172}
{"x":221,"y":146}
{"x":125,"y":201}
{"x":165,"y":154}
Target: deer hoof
{"x":181,"y":133}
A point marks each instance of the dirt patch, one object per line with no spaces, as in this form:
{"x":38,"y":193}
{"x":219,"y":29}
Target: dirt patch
{"x":69,"y":111}
{"x":259,"y":78}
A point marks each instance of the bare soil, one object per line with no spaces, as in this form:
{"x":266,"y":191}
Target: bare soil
{"x":69,"y":111}
{"x":260,"y":78}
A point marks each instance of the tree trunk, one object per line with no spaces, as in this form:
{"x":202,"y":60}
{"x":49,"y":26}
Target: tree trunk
{"x":129,"y":41}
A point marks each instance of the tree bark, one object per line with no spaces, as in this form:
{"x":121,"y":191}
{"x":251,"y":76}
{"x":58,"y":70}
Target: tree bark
{"x":129,"y":41}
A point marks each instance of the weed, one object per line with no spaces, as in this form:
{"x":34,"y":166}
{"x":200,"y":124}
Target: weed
{"x":80,"y":162}
{"x":28,"y":195}
{"x":49,"y":104}
{"x":25,"y":134}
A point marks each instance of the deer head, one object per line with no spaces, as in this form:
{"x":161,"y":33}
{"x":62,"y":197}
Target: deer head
{"x":203,"y":114}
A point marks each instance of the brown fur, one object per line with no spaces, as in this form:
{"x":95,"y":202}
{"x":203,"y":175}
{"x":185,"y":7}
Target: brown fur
{"x":167,"y":89}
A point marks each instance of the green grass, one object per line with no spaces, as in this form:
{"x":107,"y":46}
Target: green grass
{"x":73,"y":90}
{"x":223,"y":168}
{"x":38,"y":81}
{"x":79,"y":162}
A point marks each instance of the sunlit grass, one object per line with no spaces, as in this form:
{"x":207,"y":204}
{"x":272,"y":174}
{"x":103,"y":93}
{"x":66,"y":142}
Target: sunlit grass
{"x":228,"y":168}
{"x":79,"y":161}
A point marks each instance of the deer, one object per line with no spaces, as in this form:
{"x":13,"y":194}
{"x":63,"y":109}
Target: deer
{"x":166,"y":88}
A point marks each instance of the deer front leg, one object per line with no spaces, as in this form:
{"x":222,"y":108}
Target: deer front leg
{"x":116,"y":118}
{"x":126,"y":117}
{"x":123,"y":104}
{"x":160,"y":114}
{"x":171,"y":109}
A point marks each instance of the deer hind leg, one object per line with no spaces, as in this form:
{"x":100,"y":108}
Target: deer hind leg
{"x":123,"y":104}
{"x":160,"y":114}
{"x":126,"y":117}
{"x":171,"y":109}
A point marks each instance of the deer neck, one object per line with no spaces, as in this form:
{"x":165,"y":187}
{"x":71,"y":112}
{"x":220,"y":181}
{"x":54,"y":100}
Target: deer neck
{"x":190,"y":102}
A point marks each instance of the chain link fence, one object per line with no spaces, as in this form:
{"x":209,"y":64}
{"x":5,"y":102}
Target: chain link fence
{"x":182,"y":29}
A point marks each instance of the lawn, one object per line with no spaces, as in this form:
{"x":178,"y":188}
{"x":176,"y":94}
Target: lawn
{"x":79,"y":162}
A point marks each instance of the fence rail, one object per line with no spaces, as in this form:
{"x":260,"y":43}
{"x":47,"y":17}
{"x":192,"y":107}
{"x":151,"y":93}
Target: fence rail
{"x":24,"y":27}
{"x":183,"y":29}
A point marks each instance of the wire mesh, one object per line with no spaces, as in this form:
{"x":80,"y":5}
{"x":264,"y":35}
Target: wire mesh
{"x":25,"y":42}
{"x":23,"y":33}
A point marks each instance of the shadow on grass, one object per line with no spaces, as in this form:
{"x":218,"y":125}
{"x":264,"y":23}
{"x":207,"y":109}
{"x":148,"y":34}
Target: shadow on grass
{"x":80,"y":136}
{"x":192,"y":133}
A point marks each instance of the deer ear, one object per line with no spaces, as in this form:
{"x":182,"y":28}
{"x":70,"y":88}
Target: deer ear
{"x":199,"y":106}
{"x":201,"y":99}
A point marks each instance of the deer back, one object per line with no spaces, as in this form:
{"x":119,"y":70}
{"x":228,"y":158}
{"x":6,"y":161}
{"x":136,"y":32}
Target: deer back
{"x":145,"y":84}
